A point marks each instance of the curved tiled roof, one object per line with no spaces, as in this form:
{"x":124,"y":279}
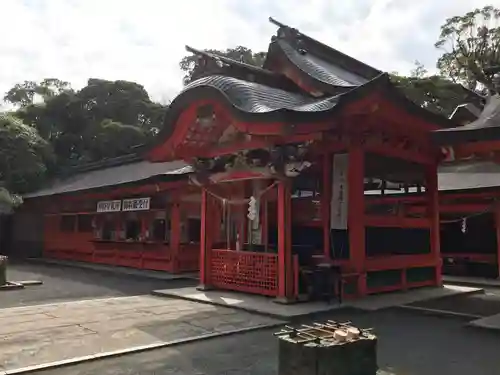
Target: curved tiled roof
{"x":255,"y":102}
{"x":253,"y":97}
{"x":222,"y":65}
{"x":485,"y":128}
{"x":328,"y":69}
{"x":319,"y":68}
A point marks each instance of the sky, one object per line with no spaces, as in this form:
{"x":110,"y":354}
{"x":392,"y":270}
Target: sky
{"x":143,"y":41}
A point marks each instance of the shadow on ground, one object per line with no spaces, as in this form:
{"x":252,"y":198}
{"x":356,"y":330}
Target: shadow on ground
{"x":63,"y":283}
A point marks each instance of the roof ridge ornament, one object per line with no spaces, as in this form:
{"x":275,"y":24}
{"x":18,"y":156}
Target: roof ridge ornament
{"x":285,"y":31}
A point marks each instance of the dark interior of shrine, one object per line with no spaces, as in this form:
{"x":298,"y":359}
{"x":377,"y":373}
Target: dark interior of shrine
{"x":474,"y":236}
{"x":381,"y":173}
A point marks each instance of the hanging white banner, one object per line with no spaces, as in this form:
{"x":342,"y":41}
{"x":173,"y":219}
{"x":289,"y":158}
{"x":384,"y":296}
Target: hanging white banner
{"x":339,"y":204}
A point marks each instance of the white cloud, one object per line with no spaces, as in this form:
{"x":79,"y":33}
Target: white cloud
{"x":144,"y":40}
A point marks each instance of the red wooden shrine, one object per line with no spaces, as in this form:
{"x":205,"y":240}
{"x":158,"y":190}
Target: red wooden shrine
{"x":297,"y":143}
{"x":469,"y":209}
{"x":279,"y":171}
{"x":468,"y":182}
{"x":152,"y":225}
{"x":470,"y":229}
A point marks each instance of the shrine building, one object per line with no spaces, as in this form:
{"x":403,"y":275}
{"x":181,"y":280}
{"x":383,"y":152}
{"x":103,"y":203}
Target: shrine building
{"x":263,"y":177}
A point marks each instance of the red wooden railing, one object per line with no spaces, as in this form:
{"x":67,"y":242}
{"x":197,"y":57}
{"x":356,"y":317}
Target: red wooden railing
{"x":245,"y":271}
{"x":188,"y":258}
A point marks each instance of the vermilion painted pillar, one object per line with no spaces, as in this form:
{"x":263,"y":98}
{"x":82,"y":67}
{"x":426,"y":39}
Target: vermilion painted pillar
{"x":205,"y":242}
{"x":431,"y":192}
{"x":356,"y":214}
{"x":497,"y":228}
{"x":326,"y":195}
{"x":285,"y":265}
{"x":175,"y":235}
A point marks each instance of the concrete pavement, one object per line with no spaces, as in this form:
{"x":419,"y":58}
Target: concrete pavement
{"x":35,"y":335}
{"x":64,"y":283}
{"x":409,"y":344}
{"x":472,"y":281}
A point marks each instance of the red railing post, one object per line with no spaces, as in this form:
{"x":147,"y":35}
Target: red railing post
{"x":497,"y":229}
{"x":285,"y":265}
{"x":175,"y":236}
{"x":205,"y":242}
{"x":356,"y":214}
{"x":431,"y":191}
{"x":325,"y":203}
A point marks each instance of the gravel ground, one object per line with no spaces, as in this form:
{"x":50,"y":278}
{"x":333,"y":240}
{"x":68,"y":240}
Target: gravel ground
{"x":62,"y":283}
{"x":409,"y":344}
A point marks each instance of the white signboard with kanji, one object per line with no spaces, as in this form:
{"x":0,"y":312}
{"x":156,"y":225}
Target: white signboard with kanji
{"x":109,"y":206}
{"x":339,"y":204}
{"x":136,"y":204}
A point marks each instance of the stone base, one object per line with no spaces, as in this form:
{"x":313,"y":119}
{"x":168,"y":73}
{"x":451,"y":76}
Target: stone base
{"x":204,"y":288}
{"x":11,"y":286}
{"x":30,"y":282}
{"x":285,"y":300}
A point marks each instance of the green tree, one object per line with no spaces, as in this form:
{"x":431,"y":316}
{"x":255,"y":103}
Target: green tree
{"x":433,"y":92}
{"x":24,"y":155}
{"x":470,"y":43}
{"x":112,"y":138}
{"x":8,"y":201}
{"x":191,"y":63}
{"x":73,"y":121}
{"x":24,"y":94}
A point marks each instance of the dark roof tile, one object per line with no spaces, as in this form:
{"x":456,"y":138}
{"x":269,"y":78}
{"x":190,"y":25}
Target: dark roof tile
{"x":320,"y":69}
{"x":112,"y":176}
{"x":485,"y":128}
{"x":253,"y":97}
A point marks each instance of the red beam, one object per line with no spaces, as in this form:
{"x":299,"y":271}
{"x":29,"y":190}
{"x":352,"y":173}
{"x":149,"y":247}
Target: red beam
{"x":394,"y":199}
{"x":468,"y":149}
{"x":399,"y":153}
{"x":473,"y":257}
{"x":382,"y":263}
{"x":396,"y":222}
{"x":452,"y":208}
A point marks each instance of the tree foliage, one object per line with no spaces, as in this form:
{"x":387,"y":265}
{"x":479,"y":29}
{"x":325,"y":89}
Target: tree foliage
{"x":111,"y":138}
{"x":24,"y":94}
{"x":433,"y":92}
{"x":189,"y":64}
{"x":54,"y":127}
{"x":470,"y":43}
{"x":102,"y":120}
{"x":24,"y":155}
